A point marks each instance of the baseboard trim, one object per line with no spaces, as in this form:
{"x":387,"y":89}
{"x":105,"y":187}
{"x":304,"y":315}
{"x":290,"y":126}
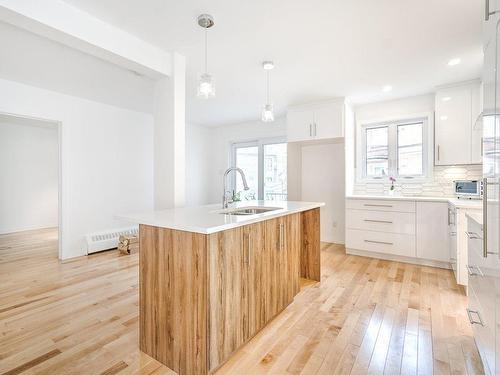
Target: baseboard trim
{"x":27,"y":229}
{"x":400,"y":258}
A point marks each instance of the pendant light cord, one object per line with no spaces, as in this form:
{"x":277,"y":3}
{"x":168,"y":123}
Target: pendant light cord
{"x":268,"y":87}
{"x":206,"y":50}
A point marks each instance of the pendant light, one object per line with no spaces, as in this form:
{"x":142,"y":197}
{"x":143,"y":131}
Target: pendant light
{"x":206,"y":87}
{"x":268,"y":110}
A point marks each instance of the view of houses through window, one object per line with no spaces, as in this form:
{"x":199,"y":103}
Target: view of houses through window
{"x":265,"y":166}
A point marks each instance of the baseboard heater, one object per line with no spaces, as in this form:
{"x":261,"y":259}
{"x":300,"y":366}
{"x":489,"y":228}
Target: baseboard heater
{"x":107,"y":240}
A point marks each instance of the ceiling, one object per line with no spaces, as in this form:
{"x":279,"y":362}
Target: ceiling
{"x":321,"y":48}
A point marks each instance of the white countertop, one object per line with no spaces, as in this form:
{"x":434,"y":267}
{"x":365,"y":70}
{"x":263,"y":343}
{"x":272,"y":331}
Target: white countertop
{"x":209,"y":219}
{"x":458,"y":203}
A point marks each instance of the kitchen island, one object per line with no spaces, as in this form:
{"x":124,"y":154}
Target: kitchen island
{"x":210,"y":279}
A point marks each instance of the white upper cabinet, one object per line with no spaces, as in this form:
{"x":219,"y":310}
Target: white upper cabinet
{"x":477,"y":129}
{"x":299,"y":125}
{"x":456,"y":139}
{"x":316,"y":121}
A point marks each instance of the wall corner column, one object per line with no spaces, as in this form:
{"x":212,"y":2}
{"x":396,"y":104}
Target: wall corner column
{"x":169,"y":137}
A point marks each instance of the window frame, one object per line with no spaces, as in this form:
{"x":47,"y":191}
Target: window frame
{"x":260,"y":143}
{"x":392,"y":124}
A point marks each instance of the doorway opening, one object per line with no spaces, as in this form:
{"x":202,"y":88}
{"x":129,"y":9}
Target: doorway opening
{"x":29,"y":189}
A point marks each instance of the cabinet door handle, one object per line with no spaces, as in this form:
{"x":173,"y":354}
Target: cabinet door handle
{"x":473,"y":236}
{"x":378,"y":221}
{"x":380,"y":242}
{"x":472,"y":321}
{"x":376,"y":205}
{"x":249,"y":244}
{"x":315,"y":130}
{"x":281,"y":236}
{"x":470,"y":270}
{"x":438,"y":153}
{"x":487,"y":12}
{"x":485,"y":216}
{"x":310,"y":130}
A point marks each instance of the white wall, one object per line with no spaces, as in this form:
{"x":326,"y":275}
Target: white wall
{"x":107,"y":159}
{"x":322,"y":180}
{"x":220,"y":143}
{"x":40,"y":62}
{"x":29,"y":165}
{"x":199,"y":151}
{"x":394,"y":108}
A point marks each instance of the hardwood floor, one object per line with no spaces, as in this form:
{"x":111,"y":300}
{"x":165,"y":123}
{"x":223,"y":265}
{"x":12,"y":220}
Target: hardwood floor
{"x":366,"y":316}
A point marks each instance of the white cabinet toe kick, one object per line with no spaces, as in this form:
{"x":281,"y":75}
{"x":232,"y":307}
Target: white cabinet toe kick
{"x":406,"y":231}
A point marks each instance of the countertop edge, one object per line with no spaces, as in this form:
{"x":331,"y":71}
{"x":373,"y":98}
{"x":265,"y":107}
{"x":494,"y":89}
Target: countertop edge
{"x":465,"y":203}
{"x":220,"y":228}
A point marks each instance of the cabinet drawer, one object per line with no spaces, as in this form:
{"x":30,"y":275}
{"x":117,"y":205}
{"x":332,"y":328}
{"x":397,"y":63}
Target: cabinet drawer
{"x":381,"y":242}
{"x":380,"y":205}
{"x":484,"y":333}
{"x":381,"y":221}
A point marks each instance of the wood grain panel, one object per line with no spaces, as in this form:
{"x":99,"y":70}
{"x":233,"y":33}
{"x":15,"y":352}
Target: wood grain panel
{"x":293,"y":228}
{"x":256,"y":278}
{"x":228,"y":294}
{"x":310,"y":263}
{"x":273,"y":268}
{"x":173,"y":303}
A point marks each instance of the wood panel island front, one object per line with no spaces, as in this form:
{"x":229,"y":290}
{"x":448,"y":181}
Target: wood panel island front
{"x":210,"y":279}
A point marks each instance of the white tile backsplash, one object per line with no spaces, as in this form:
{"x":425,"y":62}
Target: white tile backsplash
{"x":440,"y":185}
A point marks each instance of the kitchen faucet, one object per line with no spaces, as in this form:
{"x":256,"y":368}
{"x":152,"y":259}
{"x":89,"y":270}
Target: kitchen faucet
{"x":245,"y":185}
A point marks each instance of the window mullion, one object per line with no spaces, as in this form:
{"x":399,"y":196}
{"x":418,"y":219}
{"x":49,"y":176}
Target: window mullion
{"x":260,"y":194}
{"x":393,"y":150}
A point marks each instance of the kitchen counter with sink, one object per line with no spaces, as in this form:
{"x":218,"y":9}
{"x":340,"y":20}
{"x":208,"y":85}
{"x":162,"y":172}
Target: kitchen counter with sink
{"x":210,"y":279}
{"x":211,"y":218}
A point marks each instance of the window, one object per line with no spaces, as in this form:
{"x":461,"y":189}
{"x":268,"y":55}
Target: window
{"x":265,"y":166}
{"x":396,"y":148}
{"x":410,"y":150}
{"x":377,"y":151}
{"x":247,"y":158}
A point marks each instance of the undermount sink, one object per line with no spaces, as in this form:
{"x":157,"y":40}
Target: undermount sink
{"x":249,"y":210}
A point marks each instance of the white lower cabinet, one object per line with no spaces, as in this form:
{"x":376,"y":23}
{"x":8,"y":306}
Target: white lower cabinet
{"x":481,"y":309}
{"x":416,"y":231}
{"x":432,"y":231}
{"x":381,"y":242}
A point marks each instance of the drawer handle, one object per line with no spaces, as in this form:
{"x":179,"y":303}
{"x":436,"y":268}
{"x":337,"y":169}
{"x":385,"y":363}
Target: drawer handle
{"x":377,"y":205}
{"x":473,"y":236}
{"x":378,"y":221}
{"x":470,"y":270}
{"x":472,"y":321}
{"x":380,"y":242}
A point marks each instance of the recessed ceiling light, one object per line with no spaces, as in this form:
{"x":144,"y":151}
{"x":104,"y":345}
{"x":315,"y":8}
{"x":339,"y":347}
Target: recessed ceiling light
{"x":454,"y":61}
{"x":446,"y":99}
{"x":444,"y":118}
{"x":387,"y":88}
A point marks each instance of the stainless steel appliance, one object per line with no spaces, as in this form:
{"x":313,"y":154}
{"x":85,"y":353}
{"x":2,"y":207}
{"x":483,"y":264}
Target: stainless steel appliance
{"x":469,"y":189}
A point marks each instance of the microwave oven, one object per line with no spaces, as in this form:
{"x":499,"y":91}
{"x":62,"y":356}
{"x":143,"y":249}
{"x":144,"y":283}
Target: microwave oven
{"x":470,"y":189}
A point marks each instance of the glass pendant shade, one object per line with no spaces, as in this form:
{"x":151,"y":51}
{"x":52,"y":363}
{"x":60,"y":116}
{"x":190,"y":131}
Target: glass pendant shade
{"x":268,"y":113}
{"x":206,"y":86}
